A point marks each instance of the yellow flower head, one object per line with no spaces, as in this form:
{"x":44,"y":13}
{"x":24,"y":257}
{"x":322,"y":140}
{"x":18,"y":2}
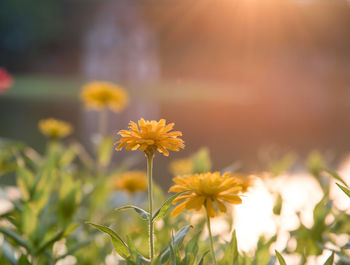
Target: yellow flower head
{"x":245,"y":181}
{"x":99,"y":95}
{"x":131,"y":181}
{"x":54,"y":129}
{"x":181,"y":166}
{"x":150,"y":137}
{"x":205,"y":189}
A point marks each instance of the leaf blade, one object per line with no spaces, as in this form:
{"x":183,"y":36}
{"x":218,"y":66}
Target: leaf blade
{"x":52,"y":240}
{"x":162,"y":211}
{"x":200,"y":262}
{"x":142,"y":213}
{"x":330,"y":260}
{"x":15,"y":237}
{"x":175,"y":241}
{"x":119,"y":245}
{"x":344,"y":189}
{"x":280,"y":258}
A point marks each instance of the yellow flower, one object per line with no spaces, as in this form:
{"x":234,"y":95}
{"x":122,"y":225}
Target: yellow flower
{"x":245,"y":181}
{"x":99,"y":95}
{"x":205,"y":189}
{"x":181,"y":166}
{"x":54,"y":129}
{"x":131,"y":181}
{"x":150,"y":137}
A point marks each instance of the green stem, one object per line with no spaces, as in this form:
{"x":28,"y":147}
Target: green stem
{"x":150,"y":203}
{"x":102,"y":126}
{"x":211,"y":240}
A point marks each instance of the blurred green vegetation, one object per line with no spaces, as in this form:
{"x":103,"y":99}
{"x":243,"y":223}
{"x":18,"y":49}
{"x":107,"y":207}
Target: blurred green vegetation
{"x":64,"y":187}
{"x":43,"y":87}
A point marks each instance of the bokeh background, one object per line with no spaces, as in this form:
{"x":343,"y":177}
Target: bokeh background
{"x":245,"y":78}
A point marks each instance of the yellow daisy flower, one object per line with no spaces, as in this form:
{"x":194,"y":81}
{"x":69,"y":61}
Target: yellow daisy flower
{"x":205,"y":189}
{"x":150,"y":136}
{"x":131,"y":181}
{"x":100,"y":95}
{"x":245,"y":181}
{"x":181,"y":166}
{"x":55,"y":129}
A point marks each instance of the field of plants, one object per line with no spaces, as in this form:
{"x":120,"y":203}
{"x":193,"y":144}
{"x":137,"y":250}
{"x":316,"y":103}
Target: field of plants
{"x":71,"y":206}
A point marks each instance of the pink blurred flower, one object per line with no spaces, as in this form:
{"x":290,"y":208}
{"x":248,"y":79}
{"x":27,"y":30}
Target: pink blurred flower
{"x":6,"y":80}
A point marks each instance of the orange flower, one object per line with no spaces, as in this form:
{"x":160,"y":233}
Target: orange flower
{"x":150,"y":137}
{"x":205,"y":189}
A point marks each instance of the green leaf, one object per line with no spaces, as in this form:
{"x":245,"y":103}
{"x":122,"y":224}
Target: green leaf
{"x":8,"y":253}
{"x":76,"y":247}
{"x":119,"y":245}
{"x":278,"y":206}
{"x":234,"y":247}
{"x":330,"y":260}
{"x":17,"y":238}
{"x":105,"y":151}
{"x":67,"y":205}
{"x":191,"y":249}
{"x":262,"y":254}
{"x":272,"y":261}
{"x":48,"y":243}
{"x":135,"y":255}
{"x":336,"y":176}
{"x":44,"y":183}
{"x":200,"y":262}
{"x":174,"y":255}
{"x":68,"y":156}
{"x":143,"y":214}
{"x":29,"y":219}
{"x":23,"y":261}
{"x":192,"y":245}
{"x":278,"y":167}
{"x":161,"y":212}
{"x":280,"y":258}
{"x":70,"y":229}
{"x":315,"y":163}
{"x":231,"y":252}
{"x":180,"y":235}
{"x":344,"y":189}
{"x":25,"y":182}
{"x":176,"y":241}
{"x":201,"y":161}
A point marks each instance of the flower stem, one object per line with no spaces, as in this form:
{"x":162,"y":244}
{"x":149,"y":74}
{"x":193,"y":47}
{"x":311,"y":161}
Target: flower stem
{"x":211,"y":240}
{"x":150,"y":203}
{"x":102,"y":126}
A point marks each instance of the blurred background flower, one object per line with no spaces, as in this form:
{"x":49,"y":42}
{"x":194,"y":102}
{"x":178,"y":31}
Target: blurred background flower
{"x":131,"y":182}
{"x":5,"y":80}
{"x":55,"y":129}
{"x":100,"y":95}
{"x":181,"y":166}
